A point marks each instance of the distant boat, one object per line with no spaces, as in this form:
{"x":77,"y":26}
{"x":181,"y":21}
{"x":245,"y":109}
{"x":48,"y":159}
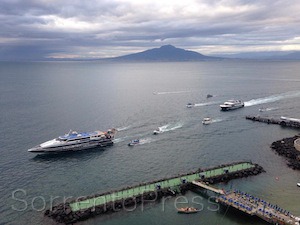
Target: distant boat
{"x":206,"y":121}
{"x":298,"y":184}
{"x":190,"y":105}
{"x":209,"y":96}
{"x":232,"y":104}
{"x":134,"y":142}
{"x":157,"y":131}
{"x":187,"y":210}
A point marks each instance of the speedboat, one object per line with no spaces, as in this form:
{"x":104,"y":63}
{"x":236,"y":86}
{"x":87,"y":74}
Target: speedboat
{"x":190,"y":105}
{"x":75,"y":141}
{"x":187,"y":210}
{"x":298,"y":184}
{"x":206,"y":121}
{"x":134,"y":142}
{"x":157,"y":131}
{"x":209,"y":96}
{"x":232,"y":104}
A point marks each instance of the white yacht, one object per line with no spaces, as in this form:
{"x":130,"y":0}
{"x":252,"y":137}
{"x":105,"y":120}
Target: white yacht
{"x":206,"y":121}
{"x":232,"y":104}
{"x":74,"y":141}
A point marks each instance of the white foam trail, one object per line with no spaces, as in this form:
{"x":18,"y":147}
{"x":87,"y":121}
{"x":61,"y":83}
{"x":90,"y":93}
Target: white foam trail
{"x":216,"y":120}
{"x":272,"y":98}
{"x":170,"y":127}
{"x":170,"y":92}
{"x":268,"y":109}
{"x":205,"y":104}
{"x":145,"y":141}
{"x":123,"y":128}
{"x":118,"y":140}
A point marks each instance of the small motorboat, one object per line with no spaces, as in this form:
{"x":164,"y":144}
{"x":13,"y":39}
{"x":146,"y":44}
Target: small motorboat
{"x":187,"y":210}
{"x":157,"y":131}
{"x":206,"y":121}
{"x":209,"y":96}
{"x":134,"y":142}
{"x":298,"y":184}
{"x":190,"y":105}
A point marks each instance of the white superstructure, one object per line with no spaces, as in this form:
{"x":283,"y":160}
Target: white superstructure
{"x":232,"y":104}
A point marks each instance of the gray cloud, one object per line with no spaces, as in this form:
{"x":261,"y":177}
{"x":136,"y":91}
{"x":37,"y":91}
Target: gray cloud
{"x":38,"y":29}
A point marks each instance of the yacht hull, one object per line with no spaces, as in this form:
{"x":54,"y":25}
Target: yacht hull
{"x":231,"y":108}
{"x":74,"y":141}
{"x":70,"y":148}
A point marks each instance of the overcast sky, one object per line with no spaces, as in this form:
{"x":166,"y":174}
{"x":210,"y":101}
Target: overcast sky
{"x":37,"y":29}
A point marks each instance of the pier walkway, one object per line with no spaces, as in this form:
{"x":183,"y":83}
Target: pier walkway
{"x":254,"y":206}
{"x":170,"y":183}
{"x":208,"y":187}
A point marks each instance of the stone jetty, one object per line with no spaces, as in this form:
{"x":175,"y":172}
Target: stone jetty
{"x":113,"y":201}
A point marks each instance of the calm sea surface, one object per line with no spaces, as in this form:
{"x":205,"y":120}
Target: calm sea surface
{"x":40,"y":101}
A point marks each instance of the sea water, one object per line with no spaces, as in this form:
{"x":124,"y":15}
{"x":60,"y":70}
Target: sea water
{"x":42,"y":100}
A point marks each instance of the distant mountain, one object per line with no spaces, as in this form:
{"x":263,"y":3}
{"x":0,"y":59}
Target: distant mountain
{"x":291,"y":56}
{"x":166,"y":53}
{"x":267,"y":55}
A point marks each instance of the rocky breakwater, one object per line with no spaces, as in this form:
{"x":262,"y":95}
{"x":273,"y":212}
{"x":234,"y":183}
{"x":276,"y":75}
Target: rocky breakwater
{"x":285,"y":147}
{"x":70,"y":212}
{"x":227,"y":176}
{"x":63,"y":213}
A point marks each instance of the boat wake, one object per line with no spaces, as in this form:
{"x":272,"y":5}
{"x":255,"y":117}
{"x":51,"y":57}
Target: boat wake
{"x":170,"y":127}
{"x":216,"y":120}
{"x":123,"y":128}
{"x":118,"y":140}
{"x":170,"y":92}
{"x":145,"y":141}
{"x":205,"y":104}
{"x":268,"y":109}
{"x":272,"y":98}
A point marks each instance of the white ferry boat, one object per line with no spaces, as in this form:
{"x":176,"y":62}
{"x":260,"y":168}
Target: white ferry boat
{"x":74,"y":141}
{"x":232,"y":104}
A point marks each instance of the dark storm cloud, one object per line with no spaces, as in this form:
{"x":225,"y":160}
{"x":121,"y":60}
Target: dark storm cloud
{"x":34,"y":29}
